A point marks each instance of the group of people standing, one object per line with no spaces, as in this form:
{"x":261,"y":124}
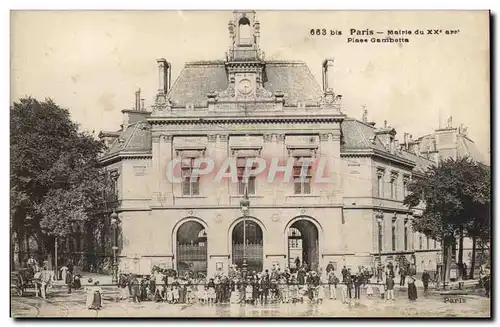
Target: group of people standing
{"x":267,"y":286}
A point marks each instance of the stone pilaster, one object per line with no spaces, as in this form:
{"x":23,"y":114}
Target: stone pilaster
{"x":165,"y":145}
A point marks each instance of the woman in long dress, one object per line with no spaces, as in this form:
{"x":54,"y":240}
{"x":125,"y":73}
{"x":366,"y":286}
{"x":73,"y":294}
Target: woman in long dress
{"x":94,"y":296}
{"x":412,"y":289}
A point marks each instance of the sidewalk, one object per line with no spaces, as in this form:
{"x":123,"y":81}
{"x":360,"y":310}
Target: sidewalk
{"x":451,"y":285}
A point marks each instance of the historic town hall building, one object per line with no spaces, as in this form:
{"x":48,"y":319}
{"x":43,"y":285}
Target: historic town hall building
{"x":246,"y":107}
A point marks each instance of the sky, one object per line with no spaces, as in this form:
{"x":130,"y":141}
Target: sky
{"x":91,"y":62}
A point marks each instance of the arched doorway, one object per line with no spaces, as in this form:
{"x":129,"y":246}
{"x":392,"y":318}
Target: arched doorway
{"x":254,"y":244}
{"x":303,"y":244}
{"x":191,"y":249}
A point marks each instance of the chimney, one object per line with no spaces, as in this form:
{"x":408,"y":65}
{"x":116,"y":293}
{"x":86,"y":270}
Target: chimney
{"x":365,"y":114}
{"x":326,"y":77}
{"x":143,"y":108}
{"x":138,"y":100}
{"x":405,"y":140}
{"x":163,"y":76}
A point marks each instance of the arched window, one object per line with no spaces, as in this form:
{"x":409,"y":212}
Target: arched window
{"x":244,"y":31}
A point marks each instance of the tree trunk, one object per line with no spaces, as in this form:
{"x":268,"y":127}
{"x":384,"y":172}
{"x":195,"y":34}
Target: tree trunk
{"x":461,"y":247}
{"x":12,"y":251}
{"x":448,"y":249}
{"x":21,"y":244}
{"x":27,"y":238}
{"x":473,"y":259}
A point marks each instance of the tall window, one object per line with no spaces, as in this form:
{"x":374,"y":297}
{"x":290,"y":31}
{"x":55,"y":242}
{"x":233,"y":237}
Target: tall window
{"x":393,"y":188}
{"x":427,"y":243}
{"x":405,"y":187}
{"x":380,"y":245}
{"x":113,"y":179}
{"x":406,"y":234}
{"x":420,"y":242}
{"x":302,"y":175}
{"x":380,"y":184}
{"x":242,"y":180}
{"x":435,"y":244}
{"x":190,"y":186}
{"x":393,"y":232}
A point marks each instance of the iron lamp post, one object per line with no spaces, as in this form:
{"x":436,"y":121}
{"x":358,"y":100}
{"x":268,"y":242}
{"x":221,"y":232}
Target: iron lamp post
{"x":115,"y":221}
{"x":380,"y":218}
{"x":245,"y":206}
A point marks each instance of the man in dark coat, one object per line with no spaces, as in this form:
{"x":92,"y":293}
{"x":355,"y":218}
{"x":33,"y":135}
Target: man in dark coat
{"x":402,"y":274}
{"x":69,"y":280}
{"x":425,"y":280}
{"x":358,"y":281}
{"x":348,"y":282}
{"x":344,"y":274}
{"x":135,"y":289}
{"x":329,"y":267}
{"x":264,"y":286}
{"x":297,"y":263}
{"x":301,"y":276}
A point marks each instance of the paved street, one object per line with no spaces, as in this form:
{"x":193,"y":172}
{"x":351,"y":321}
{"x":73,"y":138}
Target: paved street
{"x":61,"y":304}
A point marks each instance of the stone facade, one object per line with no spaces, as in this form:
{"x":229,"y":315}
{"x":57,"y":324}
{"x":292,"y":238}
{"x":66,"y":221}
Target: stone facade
{"x":246,"y":106}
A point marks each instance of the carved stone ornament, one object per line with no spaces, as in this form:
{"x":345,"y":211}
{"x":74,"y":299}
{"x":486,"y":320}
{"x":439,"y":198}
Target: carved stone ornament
{"x":218,"y":218}
{"x":223,"y":137}
{"x":275,"y":217}
{"x":268,"y":137}
{"x":325,"y":137}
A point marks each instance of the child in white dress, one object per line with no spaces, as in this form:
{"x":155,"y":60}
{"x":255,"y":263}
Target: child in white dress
{"x":381,"y":290}
{"x":175,"y":293}
{"x":170,"y":295}
{"x":321,"y":293}
{"x":369,"y":290}
{"x":248,"y":293}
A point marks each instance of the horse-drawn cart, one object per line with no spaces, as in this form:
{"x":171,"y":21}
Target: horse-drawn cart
{"x":25,"y":278}
{"x":20,"y":280}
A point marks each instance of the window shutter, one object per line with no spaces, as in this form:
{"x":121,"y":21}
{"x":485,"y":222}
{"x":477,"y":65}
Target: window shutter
{"x":195,"y":187}
{"x":297,"y":188}
{"x":307,"y":186}
{"x":251,"y":185}
{"x":186,"y":186}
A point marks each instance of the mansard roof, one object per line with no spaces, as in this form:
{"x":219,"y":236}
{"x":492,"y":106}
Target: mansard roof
{"x":199,"y":78}
{"x":134,"y":137}
{"x":465,"y":146}
{"x":357,"y":135}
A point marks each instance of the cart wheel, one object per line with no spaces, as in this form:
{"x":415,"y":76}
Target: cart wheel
{"x":20,"y":291}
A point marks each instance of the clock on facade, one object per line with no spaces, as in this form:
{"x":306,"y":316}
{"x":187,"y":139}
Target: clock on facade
{"x":245,"y":86}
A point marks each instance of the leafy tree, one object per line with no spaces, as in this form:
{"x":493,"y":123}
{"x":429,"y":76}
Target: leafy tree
{"x":456,"y":197}
{"x":55,"y":176}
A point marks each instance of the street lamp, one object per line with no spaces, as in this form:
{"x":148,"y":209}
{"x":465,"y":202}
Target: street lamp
{"x":245,"y":206}
{"x":380,"y":218}
{"x":115,"y":221}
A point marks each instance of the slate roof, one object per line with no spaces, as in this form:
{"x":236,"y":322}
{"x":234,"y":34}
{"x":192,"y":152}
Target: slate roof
{"x":135,"y":137}
{"x":199,"y":78}
{"x":357,"y":135}
{"x":465,"y":147}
